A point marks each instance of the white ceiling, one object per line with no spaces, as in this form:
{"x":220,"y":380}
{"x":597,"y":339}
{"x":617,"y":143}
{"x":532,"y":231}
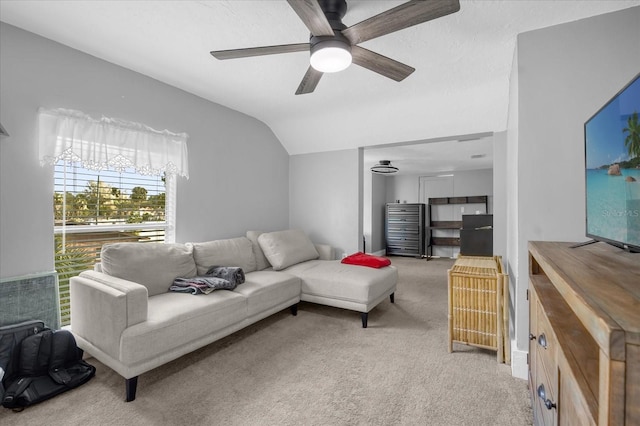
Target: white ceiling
{"x":433,"y":157}
{"x":460,"y":86}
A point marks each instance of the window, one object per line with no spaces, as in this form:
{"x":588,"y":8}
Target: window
{"x":95,"y":208}
{"x":114,"y":181}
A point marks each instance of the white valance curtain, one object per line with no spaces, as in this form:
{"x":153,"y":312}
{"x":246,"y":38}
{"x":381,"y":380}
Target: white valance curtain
{"x":110,"y":143}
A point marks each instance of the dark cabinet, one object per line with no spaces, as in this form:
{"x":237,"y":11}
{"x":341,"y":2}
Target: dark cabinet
{"x":476,"y":235}
{"x":404,"y":229}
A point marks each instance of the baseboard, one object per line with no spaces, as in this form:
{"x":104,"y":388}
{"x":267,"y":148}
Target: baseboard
{"x":379,"y":253}
{"x":519,"y":365}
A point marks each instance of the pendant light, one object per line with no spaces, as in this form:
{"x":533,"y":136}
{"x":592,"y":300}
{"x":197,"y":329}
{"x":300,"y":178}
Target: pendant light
{"x":384,"y":167}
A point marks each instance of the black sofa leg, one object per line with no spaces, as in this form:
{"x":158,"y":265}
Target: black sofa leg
{"x":294,"y":309}
{"x":392,"y":298}
{"x":365,"y":317}
{"x":131,"y":385}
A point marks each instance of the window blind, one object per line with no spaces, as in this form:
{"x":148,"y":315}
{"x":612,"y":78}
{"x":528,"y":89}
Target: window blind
{"x":96,"y":208}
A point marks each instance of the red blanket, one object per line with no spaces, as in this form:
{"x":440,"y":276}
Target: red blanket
{"x":364,"y":259}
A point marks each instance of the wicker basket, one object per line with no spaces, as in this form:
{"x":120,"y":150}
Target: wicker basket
{"x":478,"y":295}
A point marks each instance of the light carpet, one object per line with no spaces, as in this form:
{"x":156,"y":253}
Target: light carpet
{"x":319,"y":368}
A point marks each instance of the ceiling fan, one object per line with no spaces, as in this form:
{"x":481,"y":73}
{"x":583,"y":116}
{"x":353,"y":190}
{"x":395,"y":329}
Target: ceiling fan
{"x":334,"y":47}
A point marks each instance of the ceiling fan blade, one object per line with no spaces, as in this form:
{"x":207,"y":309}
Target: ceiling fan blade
{"x":381,"y":64}
{"x":313,"y":17}
{"x":309,"y":81}
{"x":260,"y":51}
{"x":400,"y":17}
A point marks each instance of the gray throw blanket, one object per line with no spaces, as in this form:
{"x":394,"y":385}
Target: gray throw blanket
{"x":200,"y":285}
{"x":232,"y":274}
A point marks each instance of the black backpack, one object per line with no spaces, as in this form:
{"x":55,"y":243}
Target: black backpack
{"x":10,"y":338}
{"x":39,"y":363}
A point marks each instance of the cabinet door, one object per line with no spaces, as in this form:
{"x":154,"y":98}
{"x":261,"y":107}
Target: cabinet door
{"x":544,"y":403}
{"x":572,"y":406}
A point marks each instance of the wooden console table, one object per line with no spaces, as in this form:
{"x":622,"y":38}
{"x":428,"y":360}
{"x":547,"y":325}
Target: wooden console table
{"x":478,"y":304}
{"x":584,"y":308}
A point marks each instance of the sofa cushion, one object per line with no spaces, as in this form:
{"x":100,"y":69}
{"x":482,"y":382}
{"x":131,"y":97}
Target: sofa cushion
{"x":267,"y":289}
{"x":230,"y":252}
{"x":261,"y":260}
{"x":177,"y":319}
{"x":286,"y":248}
{"x":153,"y":265}
{"x":351,"y":283}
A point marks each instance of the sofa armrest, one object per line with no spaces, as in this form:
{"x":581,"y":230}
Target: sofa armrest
{"x":325,"y":251}
{"x":103,"y":306}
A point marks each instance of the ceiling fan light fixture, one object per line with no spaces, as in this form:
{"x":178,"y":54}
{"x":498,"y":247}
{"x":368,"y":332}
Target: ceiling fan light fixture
{"x":332,"y":43}
{"x":330,"y":56}
{"x":384,"y":167}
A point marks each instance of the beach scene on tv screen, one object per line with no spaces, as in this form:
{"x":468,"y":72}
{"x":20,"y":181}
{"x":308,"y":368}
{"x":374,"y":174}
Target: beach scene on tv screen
{"x":612,"y":139}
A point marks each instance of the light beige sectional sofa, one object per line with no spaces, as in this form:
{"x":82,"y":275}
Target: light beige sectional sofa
{"x":124,"y":315}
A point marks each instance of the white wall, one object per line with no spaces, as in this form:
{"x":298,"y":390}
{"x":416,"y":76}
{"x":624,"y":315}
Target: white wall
{"x":239,"y":170}
{"x":500,"y":194}
{"x":517,"y":300}
{"x":378,"y":205}
{"x":474,"y":182}
{"x":325,"y":198}
{"x":565,"y":74}
{"x":404,"y":188}
{"x":374,"y":203}
{"x":466,"y":182}
{"x":367,"y":205}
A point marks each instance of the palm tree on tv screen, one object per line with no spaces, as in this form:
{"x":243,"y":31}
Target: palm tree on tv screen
{"x":632,"y":141}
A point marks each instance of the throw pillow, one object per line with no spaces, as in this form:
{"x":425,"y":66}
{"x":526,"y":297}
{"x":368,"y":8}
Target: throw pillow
{"x":286,"y":248}
{"x":153,"y":265}
{"x":231,"y":252}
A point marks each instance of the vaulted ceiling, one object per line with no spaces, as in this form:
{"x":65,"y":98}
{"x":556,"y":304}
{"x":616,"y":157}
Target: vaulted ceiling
{"x":460,"y":86}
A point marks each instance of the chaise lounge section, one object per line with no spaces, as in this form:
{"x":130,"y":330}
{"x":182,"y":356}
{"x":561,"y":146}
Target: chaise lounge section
{"x":124,"y":315}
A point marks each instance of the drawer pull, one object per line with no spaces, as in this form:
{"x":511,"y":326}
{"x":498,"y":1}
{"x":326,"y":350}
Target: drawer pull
{"x":542,"y":394}
{"x":532,"y":337}
{"x":542,"y":340}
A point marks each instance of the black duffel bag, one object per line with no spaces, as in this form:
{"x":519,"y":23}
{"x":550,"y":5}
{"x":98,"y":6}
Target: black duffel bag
{"x":44,"y":364}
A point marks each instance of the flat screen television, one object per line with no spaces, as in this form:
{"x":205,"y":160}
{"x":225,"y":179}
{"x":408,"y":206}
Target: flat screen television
{"x":612,"y":175}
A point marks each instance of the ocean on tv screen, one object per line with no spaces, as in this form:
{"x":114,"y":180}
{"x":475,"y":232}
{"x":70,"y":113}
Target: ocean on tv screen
{"x":612,"y":147}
